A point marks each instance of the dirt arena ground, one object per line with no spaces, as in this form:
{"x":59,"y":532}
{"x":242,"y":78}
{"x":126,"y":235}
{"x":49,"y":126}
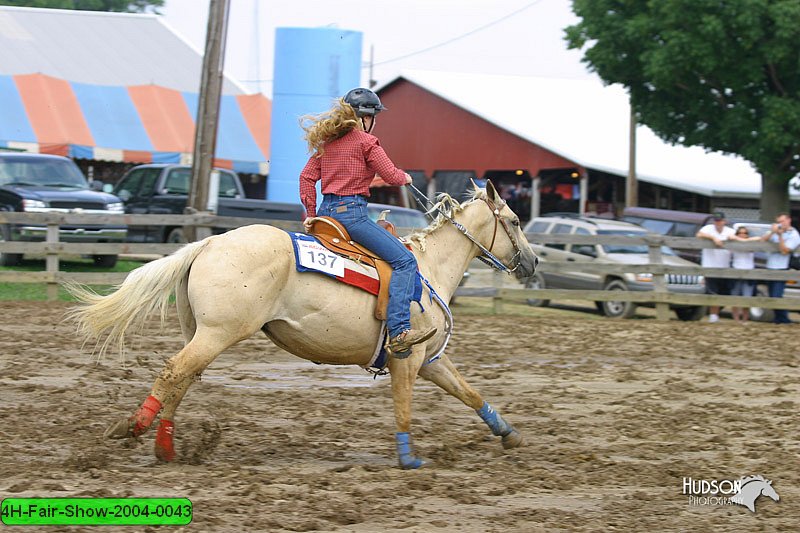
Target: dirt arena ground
{"x":615,"y":415}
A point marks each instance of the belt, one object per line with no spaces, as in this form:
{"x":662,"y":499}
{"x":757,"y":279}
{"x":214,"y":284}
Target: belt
{"x":331,"y":196}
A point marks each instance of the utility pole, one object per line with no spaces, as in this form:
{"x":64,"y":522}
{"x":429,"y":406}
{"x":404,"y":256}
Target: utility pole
{"x":205,"y":139}
{"x":372,"y":81}
{"x":631,"y":186}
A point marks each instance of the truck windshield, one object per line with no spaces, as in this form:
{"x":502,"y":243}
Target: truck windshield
{"x":178,"y":180}
{"x":41,"y":172}
{"x":629,"y":248}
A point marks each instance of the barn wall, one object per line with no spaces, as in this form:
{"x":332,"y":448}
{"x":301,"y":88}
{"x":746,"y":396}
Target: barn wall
{"x":422,"y":131}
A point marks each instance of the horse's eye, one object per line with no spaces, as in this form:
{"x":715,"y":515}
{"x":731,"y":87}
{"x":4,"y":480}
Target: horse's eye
{"x":515,"y":222}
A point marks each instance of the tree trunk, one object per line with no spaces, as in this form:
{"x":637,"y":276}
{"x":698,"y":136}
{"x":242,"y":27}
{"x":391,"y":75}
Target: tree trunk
{"x":774,"y":196}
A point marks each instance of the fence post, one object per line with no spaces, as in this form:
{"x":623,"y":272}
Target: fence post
{"x":52,"y":262}
{"x":659,"y":280}
{"x":497,"y":301}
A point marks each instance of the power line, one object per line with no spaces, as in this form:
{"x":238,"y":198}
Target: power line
{"x":458,"y":37}
{"x":438,"y":45}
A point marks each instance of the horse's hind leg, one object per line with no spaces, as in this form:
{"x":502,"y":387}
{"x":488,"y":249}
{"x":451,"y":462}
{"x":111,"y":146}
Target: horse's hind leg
{"x":443,"y":373}
{"x":164,"y":447}
{"x":173,"y":381}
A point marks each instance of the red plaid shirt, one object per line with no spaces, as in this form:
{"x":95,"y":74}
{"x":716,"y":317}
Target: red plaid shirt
{"x":347,"y":167}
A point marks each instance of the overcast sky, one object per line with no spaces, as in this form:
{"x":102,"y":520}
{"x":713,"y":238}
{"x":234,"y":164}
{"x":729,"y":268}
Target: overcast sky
{"x":490,"y":36}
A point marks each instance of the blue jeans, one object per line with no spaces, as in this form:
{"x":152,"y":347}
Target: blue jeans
{"x":776,"y":291}
{"x":351,"y":211}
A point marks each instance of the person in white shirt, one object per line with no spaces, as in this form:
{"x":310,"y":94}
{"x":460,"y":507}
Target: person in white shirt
{"x":787,"y":239}
{"x":717,"y":257}
{"x":743,"y":261}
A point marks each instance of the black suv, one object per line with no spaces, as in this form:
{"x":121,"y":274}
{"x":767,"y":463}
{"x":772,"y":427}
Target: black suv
{"x":39,"y":183}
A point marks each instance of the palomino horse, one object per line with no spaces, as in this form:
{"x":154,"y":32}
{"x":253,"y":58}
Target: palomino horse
{"x":229,"y":286}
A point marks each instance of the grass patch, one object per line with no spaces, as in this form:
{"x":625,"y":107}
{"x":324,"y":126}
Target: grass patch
{"x":38,"y":291}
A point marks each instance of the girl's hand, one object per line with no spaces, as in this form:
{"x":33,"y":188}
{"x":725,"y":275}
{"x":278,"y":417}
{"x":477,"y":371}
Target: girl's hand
{"x":409,"y":179}
{"x":307,"y":224}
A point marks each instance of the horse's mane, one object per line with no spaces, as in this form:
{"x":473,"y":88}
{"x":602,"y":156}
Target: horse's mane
{"x":748,"y":479}
{"x":444,"y":204}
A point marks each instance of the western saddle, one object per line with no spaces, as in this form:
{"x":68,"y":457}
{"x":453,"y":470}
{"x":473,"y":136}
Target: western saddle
{"x":335,"y":238}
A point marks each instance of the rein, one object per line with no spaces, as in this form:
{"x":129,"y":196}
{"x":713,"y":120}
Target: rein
{"x":486,"y":254}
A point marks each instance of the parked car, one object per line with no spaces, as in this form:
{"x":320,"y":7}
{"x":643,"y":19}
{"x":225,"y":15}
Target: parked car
{"x":575,"y":278}
{"x":402,"y":217}
{"x":761,"y":314}
{"x":669,"y":222}
{"x":39,"y":183}
{"x":687,"y":224}
{"x":164,"y":190}
{"x":405,"y":219}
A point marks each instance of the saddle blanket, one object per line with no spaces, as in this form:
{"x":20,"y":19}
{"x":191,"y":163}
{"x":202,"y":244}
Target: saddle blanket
{"x":311,"y":256}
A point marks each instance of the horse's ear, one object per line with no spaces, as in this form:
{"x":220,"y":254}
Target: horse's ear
{"x":474,"y":185}
{"x":491,"y":192}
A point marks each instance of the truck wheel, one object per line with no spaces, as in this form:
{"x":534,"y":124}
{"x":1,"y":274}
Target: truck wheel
{"x":105,"y":261}
{"x":691,"y":314}
{"x":618,"y":309}
{"x":7,"y":259}
{"x":176,"y":236}
{"x":536,"y":282}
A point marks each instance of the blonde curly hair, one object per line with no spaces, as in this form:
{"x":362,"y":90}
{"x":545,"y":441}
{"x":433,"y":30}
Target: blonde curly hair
{"x":328,"y":126}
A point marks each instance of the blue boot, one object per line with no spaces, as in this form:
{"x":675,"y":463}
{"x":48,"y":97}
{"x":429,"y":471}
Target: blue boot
{"x":405,"y":453}
{"x":499,"y":427}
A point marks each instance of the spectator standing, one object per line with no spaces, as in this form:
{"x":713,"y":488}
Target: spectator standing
{"x":788,"y":239}
{"x":743,"y":261}
{"x":718,"y":257}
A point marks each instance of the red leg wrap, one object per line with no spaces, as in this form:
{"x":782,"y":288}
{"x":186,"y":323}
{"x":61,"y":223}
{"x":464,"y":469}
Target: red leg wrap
{"x":144,"y":417}
{"x":165,"y":448}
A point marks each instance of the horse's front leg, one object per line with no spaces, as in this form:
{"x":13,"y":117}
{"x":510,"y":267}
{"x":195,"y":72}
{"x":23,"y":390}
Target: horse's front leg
{"x":443,"y":373}
{"x":404,"y":374}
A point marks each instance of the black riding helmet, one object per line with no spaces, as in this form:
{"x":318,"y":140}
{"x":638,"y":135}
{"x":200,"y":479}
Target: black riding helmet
{"x":364,"y":101}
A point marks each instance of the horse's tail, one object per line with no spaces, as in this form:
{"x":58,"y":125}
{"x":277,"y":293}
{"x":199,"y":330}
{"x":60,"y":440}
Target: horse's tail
{"x":107,"y":319}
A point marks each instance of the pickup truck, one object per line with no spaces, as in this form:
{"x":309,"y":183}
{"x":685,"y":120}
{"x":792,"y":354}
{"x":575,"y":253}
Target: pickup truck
{"x":163,"y":189}
{"x":39,"y":183}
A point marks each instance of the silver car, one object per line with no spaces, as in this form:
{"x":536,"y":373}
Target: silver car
{"x":570,"y":278}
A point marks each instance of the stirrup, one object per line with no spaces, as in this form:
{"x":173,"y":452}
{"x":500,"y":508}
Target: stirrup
{"x":399,"y":347}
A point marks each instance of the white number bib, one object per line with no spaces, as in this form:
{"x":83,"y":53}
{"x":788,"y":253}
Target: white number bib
{"x":315,"y":256}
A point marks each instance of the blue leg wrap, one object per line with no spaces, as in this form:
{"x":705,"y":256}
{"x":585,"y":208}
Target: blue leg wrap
{"x":405,"y":452}
{"x":499,"y":427}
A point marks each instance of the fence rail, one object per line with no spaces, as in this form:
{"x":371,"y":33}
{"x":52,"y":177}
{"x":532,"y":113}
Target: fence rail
{"x":654,"y":297}
{"x":53,"y":250}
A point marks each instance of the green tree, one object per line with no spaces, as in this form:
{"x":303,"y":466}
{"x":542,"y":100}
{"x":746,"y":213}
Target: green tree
{"x":721,"y":74}
{"x":124,"y":6}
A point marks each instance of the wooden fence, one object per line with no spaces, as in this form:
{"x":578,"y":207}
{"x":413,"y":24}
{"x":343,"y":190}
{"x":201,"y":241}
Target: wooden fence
{"x":53,"y":249}
{"x":659,"y":296}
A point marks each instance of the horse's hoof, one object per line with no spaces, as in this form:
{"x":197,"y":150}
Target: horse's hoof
{"x":164,"y":446}
{"x":411,"y":463}
{"x":121,"y":429}
{"x":166,"y":455}
{"x":513,"y":440}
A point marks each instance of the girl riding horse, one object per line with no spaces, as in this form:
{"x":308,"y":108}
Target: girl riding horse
{"x":346,"y":157}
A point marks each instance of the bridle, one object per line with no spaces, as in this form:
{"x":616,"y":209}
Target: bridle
{"x":490,"y":258}
{"x":486,"y":253}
